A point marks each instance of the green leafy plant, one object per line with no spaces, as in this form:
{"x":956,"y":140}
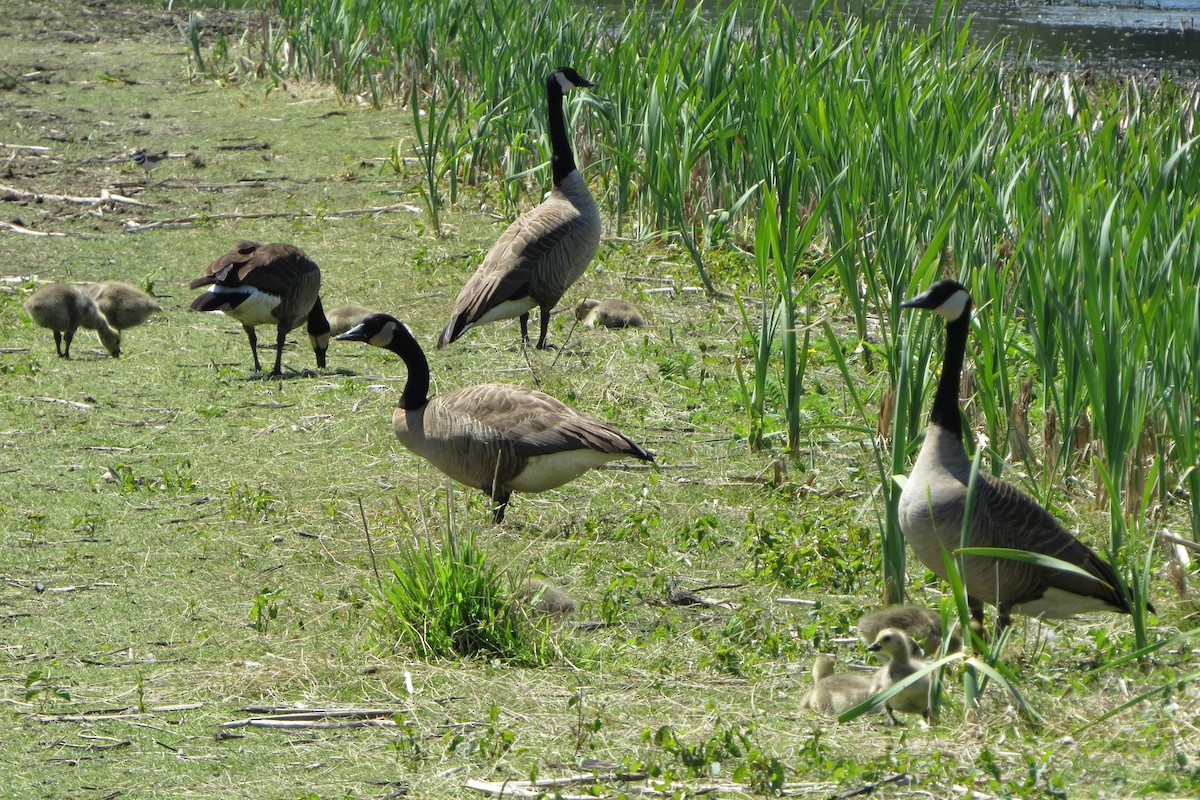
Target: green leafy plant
{"x":449,"y":601}
{"x":265,"y":608}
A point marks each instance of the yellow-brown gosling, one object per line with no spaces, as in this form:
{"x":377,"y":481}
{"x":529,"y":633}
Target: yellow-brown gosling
{"x":543,"y":597}
{"x":64,"y":309}
{"x":611,"y":313}
{"x":343,"y":318}
{"x":123,"y":305}
{"x":834,"y":693}
{"x":923,"y":625}
{"x":898,"y":647}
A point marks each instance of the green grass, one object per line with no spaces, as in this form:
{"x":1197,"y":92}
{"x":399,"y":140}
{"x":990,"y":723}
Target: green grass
{"x":181,"y":535}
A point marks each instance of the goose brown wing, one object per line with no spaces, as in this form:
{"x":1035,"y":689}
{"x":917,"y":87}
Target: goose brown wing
{"x":272,"y":268}
{"x":511,"y":268}
{"x":1029,"y":526}
{"x":533,"y":423}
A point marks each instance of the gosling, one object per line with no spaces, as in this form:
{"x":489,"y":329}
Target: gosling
{"x":834,"y":693}
{"x":124,"y":306}
{"x":923,"y":625}
{"x":545,"y":599}
{"x":609,"y":314}
{"x":64,"y":308}
{"x":343,"y":318}
{"x":898,"y":647}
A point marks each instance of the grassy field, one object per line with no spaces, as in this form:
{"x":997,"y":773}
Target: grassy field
{"x":182,"y":542}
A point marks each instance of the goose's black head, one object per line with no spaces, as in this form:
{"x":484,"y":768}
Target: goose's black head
{"x":376,"y":329}
{"x":568,"y":79}
{"x":947,"y":298}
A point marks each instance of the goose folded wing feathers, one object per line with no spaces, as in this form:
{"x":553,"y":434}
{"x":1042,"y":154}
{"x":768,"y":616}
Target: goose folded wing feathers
{"x":535,"y":424}
{"x":484,"y":291}
{"x":227,"y":270}
{"x":1010,"y":509}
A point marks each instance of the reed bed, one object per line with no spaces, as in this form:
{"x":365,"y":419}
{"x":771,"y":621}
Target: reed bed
{"x":859,"y":157}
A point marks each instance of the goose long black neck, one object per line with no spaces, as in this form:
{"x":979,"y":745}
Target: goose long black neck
{"x":416,"y":390}
{"x":945,"y":412}
{"x":562,"y":160}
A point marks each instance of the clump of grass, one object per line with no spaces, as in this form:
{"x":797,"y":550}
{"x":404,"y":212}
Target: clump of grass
{"x":448,"y":601}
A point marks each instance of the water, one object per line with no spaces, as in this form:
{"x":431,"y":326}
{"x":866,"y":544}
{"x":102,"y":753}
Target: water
{"x":1121,"y":34}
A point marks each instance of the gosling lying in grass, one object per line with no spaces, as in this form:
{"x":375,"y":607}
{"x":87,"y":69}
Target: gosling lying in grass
{"x":834,"y":693}
{"x":544,"y":598}
{"x":609,"y":314}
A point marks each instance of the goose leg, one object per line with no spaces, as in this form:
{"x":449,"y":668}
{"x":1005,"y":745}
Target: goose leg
{"x":501,"y":506}
{"x":525,"y":330}
{"x":1003,"y":618}
{"x":280,"y":338}
{"x":318,"y":332}
{"x":544,"y":322}
{"x":976,"y":607}
{"x":253,"y":337}
{"x":58,"y":338}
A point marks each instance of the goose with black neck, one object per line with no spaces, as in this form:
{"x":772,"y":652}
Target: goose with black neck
{"x":934,"y":499}
{"x":537,"y":259}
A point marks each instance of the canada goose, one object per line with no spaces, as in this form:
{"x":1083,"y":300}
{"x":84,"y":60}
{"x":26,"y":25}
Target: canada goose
{"x":260,"y":284}
{"x":543,"y":252}
{"x":343,"y":318}
{"x":497,"y":438}
{"x":834,"y":693}
{"x":934,"y":498}
{"x":124,"y":306}
{"x":545,"y":598}
{"x":64,"y":308}
{"x":609,"y":314}
{"x":898,"y":647}
{"x":923,"y":625}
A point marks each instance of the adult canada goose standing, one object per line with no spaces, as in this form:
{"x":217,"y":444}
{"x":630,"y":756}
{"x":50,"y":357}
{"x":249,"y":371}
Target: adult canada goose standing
{"x":497,"y":438}
{"x":64,"y":309}
{"x":261,"y":284}
{"x":123,"y":305}
{"x":543,"y":252}
{"x":898,"y":647}
{"x":934,"y":499}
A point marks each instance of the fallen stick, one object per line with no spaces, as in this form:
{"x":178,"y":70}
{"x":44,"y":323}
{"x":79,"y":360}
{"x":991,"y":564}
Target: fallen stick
{"x":72,"y":403}
{"x":319,"y":718}
{"x":1173,"y":539}
{"x":9,"y":193}
{"x":323,"y":724}
{"x":15,"y":228}
{"x":183,"y":222}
